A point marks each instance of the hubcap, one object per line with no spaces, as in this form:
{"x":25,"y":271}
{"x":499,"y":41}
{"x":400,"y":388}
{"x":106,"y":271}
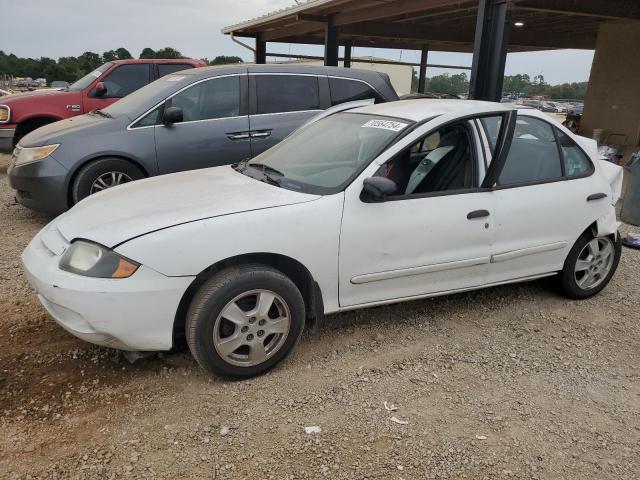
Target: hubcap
{"x":251,"y":328}
{"x":594,"y":263}
{"x":108,"y":180}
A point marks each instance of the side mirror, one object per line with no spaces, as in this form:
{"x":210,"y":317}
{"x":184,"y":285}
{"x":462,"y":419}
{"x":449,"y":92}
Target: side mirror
{"x":172,"y":115}
{"x":378,"y":188}
{"x":101,"y":89}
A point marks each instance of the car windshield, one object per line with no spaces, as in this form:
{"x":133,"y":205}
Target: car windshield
{"x":327,"y":154}
{"x":85,"y":81}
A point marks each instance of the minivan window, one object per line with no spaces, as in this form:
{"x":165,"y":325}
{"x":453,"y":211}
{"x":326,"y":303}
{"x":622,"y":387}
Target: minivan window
{"x":126,"y":79}
{"x":328,"y":153}
{"x":345,"y":90}
{"x":85,"y":81}
{"x":287,"y":93}
{"x":167,"y":68}
{"x":215,"y":98}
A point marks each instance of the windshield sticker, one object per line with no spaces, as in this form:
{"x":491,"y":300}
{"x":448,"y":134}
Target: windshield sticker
{"x":96,"y":73}
{"x":175,"y":78}
{"x":385,"y":125}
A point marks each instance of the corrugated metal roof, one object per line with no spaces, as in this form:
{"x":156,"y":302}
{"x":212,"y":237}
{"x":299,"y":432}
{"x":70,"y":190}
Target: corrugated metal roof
{"x":284,"y":12}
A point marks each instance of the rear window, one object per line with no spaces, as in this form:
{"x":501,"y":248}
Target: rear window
{"x":287,"y":93}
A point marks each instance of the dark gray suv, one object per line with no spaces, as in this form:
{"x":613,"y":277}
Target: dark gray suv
{"x":192,"y":119}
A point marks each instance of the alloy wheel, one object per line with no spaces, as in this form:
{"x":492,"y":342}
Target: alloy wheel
{"x":251,"y":328}
{"x":594,"y":263}
{"x":108,"y":180}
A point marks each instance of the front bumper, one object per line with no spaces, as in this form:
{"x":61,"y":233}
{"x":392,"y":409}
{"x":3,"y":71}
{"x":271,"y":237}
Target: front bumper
{"x":135,"y":313}
{"x":6,"y":139}
{"x":40,"y":185}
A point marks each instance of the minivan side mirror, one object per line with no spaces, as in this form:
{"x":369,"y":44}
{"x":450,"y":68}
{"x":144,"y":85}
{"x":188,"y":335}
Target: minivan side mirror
{"x":172,"y":115}
{"x":378,"y":188}
{"x":101,"y":89}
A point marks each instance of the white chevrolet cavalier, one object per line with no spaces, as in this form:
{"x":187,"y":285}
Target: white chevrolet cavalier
{"x":371,"y":206}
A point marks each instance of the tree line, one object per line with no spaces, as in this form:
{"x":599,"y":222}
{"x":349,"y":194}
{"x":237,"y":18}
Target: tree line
{"x":516,"y":85}
{"x":70,"y":69}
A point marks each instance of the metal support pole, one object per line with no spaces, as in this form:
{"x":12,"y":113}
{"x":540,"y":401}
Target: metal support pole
{"x":261,"y":50}
{"x":347,"y":55}
{"x":330,"y":44}
{"x":489,"y":50}
{"x":422,"y":78}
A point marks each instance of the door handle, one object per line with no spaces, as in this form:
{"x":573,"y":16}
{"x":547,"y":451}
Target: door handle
{"x":596,"y":196}
{"x":478,"y":214}
{"x":238,"y":136}
{"x":261,"y":134}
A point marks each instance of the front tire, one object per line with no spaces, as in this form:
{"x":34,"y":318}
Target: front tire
{"x":590,"y":265}
{"x":101,"y":175}
{"x":244,"y":320}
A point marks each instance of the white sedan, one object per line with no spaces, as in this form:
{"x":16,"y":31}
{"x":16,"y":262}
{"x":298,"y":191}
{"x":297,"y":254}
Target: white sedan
{"x":371,"y":206}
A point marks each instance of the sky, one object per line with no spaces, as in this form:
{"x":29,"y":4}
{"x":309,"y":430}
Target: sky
{"x":71,"y":27}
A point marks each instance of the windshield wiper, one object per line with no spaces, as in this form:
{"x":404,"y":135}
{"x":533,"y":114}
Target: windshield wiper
{"x":266,"y":168}
{"x":102,"y":113}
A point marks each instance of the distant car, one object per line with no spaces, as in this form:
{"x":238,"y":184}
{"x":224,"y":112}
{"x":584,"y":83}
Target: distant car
{"x":548,"y":107}
{"x":4,"y":92}
{"x":193,"y":119}
{"x":59,"y":85}
{"x":22,"y":113}
{"x":575,"y":109}
{"x":377,"y":205}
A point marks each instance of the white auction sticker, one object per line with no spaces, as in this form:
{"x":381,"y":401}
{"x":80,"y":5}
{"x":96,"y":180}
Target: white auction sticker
{"x":96,"y":73}
{"x":175,"y":78}
{"x":386,"y":125}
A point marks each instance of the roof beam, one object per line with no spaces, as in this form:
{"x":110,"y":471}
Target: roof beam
{"x":619,"y":9}
{"x":425,"y":33}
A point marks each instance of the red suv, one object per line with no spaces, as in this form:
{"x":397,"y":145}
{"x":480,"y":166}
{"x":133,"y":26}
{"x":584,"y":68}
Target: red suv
{"x":24,"y":112}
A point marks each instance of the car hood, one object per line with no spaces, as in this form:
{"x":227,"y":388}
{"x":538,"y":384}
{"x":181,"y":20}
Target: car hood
{"x":39,"y":93}
{"x":121,"y":213}
{"x":55,"y":132}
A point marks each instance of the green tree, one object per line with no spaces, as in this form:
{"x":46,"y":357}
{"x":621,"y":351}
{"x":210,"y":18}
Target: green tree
{"x":148,"y":53}
{"x":223,"y":60}
{"x":168,"y":52}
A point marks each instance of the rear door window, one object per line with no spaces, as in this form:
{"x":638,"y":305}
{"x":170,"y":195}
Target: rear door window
{"x":345,"y":90}
{"x":167,"y":68}
{"x":287,"y":93}
{"x":576,"y":162}
{"x":533,"y":156}
{"x":126,"y":79}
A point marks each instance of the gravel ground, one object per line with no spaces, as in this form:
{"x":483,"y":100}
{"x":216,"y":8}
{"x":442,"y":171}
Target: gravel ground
{"x":511,"y":382}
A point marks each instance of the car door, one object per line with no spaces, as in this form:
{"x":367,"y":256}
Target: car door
{"x":429,"y":238}
{"x":119,"y":82}
{"x":541,"y":204}
{"x":214,"y":130}
{"x":280,"y":103}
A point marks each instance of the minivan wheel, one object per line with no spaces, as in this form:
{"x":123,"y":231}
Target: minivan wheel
{"x":590,"y":265}
{"x":244,"y":320}
{"x":101,"y":175}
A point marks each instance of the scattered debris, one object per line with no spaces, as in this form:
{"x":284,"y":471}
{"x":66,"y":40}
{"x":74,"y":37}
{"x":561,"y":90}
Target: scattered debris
{"x":398,"y":421}
{"x":390,"y":408}
{"x":481,"y":437}
{"x":225,"y":431}
{"x":312,"y":429}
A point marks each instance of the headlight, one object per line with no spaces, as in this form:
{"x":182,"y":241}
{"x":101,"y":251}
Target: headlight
{"x":5,"y":113}
{"x":33,"y":154}
{"x":28,"y":155}
{"x":93,"y":260}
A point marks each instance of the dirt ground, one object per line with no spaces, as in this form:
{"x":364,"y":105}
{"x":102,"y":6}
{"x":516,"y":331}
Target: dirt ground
{"x":508,"y":383}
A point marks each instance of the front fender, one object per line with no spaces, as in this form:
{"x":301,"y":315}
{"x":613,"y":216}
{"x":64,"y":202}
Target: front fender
{"x":306,"y":232}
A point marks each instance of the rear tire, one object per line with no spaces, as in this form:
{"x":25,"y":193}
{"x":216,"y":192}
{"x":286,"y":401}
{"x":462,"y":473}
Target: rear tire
{"x":590,"y":265}
{"x":101,"y":175}
{"x":244,"y":320}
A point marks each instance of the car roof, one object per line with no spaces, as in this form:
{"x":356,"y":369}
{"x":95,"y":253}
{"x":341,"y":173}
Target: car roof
{"x":160,"y":60}
{"x":425,"y":108}
{"x":293,"y":68}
